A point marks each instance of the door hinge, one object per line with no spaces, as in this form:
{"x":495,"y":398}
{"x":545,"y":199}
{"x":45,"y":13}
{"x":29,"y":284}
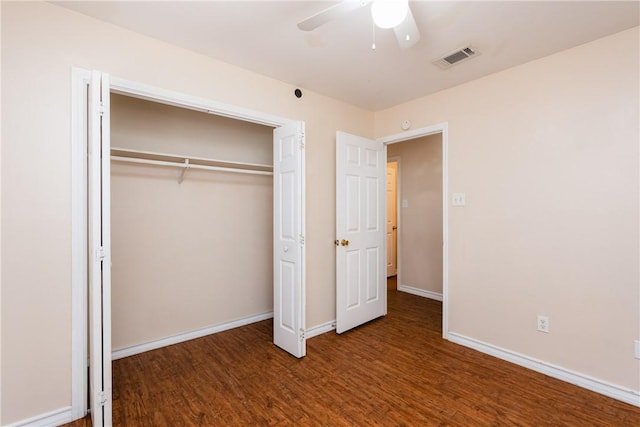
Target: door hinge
{"x":302,"y":141}
{"x":101,"y":108}
{"x":302,"y":334}
{"x":102,"y":398}
{"x":100,"y":254}
{"x":301,"y":237}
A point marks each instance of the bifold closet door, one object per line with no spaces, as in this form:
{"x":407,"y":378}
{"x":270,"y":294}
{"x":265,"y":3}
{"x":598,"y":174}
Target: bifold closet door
{"x":99,"y":251}
{"x":288,"y":240}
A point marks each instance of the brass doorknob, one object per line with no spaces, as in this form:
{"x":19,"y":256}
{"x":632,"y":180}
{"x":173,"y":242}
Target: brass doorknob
{"x":344,"y":242}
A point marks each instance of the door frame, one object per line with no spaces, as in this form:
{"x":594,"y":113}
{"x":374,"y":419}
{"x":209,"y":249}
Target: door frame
{"x":80,"y":82}
{"x":443,"y":129}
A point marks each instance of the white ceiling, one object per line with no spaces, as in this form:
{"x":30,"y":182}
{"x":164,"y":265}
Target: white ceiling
{"x":337,"y":60}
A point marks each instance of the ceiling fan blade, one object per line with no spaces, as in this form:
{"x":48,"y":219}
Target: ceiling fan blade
{"x":331,"y":13}
{"x":407,"y":32}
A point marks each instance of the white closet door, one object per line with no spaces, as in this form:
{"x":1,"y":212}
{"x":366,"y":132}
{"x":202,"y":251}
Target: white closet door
{"x":288,"y":241}
{"x":99,"y":251}
{"x":361,"y":286}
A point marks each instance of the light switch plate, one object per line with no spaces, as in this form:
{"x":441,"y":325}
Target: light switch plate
{"x":459,"y":199}
{"x":405,"y":203}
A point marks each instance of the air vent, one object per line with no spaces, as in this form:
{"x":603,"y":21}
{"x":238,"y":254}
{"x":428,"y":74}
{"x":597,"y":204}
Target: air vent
{"x":455,"y":57}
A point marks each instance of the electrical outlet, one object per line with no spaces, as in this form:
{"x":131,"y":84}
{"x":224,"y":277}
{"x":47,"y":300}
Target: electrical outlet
{"x":637,"y":349}
{"x":543,"y":324}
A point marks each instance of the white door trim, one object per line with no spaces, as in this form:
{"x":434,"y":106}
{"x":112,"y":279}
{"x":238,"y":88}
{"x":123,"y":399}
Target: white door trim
{"x":79,"y":86}
{"x":177,"y":99}
{"x":80,"y":79}
{"x":441,"y":128}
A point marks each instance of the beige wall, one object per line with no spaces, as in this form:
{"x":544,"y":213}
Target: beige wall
{"x":151,"y":126}
{"x":187,"y":256}
{"x":420,"y":230}
{"x":547,"y":153}
{"x":40,"y":44}
{"x":173,"y":269}
{"x":1,"y":133}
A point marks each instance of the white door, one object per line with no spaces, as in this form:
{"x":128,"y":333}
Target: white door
{"x":392,"y":218}
{"x":288,"y":239}
{"x":360,"y":226}
{"x":99,"y":252}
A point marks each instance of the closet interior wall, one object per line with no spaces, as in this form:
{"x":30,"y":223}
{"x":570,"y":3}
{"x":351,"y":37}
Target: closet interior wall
{"x":195,"y":254}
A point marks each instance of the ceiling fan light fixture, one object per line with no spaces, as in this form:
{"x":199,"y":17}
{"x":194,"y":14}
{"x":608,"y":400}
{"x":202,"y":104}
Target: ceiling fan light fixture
{"x":389,"y":13}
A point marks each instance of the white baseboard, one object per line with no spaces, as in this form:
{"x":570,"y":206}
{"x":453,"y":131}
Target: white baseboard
{"x":50,"y":419}
{"x":175,"y":339}
{"x":321,"y":329}
{"x":420,"y":292}
{"x":611,"y":390}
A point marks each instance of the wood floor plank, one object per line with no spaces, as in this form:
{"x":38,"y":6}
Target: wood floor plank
{"x":393,"y":371}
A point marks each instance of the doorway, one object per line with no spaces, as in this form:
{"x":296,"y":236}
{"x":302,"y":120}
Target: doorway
{"x":91,"y":235}
{"x":392,"y":217}
{"x":441,"y":132}
{"x":420,"y":238}
{"x":361,"y":222}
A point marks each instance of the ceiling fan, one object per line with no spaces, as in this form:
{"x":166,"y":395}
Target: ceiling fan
{"x":394,"y":14}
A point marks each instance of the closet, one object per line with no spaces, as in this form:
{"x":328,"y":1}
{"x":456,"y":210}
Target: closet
{"x":188,"y":219}
{"x":191,"y":222}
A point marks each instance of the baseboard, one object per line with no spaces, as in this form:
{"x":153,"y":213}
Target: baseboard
{"x":611,"y":390}
{"x":321,"y":329}
{"x":50,"y":419}
{"x":420,"y":292}
{"x":175,"y":339}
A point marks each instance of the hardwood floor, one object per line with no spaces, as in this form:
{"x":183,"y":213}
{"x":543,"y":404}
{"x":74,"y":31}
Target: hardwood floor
{"x":394,"y":371}
{"x":392,"y":283}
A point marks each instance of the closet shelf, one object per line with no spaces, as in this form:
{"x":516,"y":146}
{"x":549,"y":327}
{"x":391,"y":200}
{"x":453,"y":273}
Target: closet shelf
{"x":187,"y":162}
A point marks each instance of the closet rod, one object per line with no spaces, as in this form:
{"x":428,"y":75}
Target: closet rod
{"x":187,"y":165}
